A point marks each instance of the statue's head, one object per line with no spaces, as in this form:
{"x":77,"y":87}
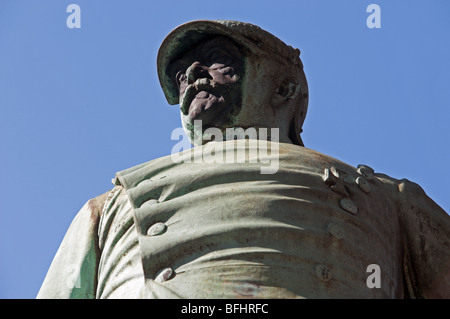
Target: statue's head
{"x":233,"y":74}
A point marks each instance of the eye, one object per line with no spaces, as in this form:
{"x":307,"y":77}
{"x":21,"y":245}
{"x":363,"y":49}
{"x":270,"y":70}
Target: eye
{"x":216,"y":55}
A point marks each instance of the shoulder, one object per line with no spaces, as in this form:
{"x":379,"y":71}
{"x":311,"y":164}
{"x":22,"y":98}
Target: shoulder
{"x":95,"y":207}
{"x":413,"y":198}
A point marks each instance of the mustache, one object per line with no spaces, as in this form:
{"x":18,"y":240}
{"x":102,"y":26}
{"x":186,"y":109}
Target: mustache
{"x":193,"y":89}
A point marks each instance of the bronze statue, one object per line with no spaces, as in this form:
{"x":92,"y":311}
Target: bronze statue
{"x":215,"y":228}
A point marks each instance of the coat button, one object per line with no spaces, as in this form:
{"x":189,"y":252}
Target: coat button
{"x":323,"y":272}
{"x":336,"y":231}
{"x":157,"y":229}
{"x":164,"y":275}
{"x":363,"y":184}
{"x":349,"y":206}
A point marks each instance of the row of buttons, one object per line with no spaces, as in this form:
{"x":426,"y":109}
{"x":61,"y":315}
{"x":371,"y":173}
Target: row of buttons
{"x":340,"y":183}
{"x":157,"y":229}
{"x":322,"y":271}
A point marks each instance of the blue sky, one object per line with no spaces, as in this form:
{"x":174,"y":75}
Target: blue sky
{"x":78,"y":105}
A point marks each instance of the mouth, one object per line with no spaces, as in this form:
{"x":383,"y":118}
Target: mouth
{"x":200,"y":97}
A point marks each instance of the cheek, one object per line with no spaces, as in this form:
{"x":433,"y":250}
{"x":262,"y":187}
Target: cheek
{"x":225,"y":76}
{"x":182,"y":87}
{"x":228,"y":71}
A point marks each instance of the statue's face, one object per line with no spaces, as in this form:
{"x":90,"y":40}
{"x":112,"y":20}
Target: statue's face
{"x":209,"y":82}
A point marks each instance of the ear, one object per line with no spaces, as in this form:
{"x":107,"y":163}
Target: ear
{"x":286,"y":91}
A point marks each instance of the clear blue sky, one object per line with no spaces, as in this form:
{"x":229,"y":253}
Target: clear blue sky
{"x":78,"y":105}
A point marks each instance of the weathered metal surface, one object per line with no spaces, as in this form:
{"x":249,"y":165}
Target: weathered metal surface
{"x":224,"y":230}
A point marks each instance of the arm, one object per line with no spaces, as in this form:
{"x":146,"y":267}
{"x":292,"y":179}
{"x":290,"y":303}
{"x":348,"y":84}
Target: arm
{"x":73,"y":272}
{"x":426,"y":236}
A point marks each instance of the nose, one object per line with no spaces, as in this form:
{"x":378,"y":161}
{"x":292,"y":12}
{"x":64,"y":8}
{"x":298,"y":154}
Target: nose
{"x":197,"y":71}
